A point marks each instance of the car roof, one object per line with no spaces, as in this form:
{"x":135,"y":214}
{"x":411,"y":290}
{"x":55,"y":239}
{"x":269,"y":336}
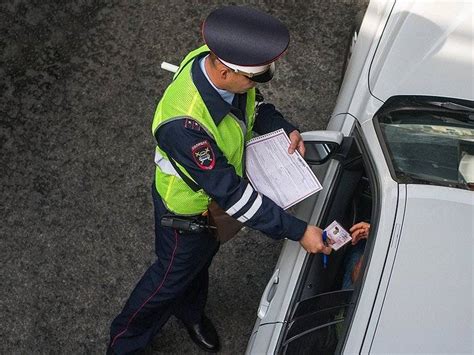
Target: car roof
{"x":426,"y":49}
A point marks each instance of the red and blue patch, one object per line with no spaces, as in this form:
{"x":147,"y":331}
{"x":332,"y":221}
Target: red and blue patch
{"x":204,"y":155}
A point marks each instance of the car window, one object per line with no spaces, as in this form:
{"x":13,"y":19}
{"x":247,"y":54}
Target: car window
{"x":317,"y":323}
{"x":429,"y":141}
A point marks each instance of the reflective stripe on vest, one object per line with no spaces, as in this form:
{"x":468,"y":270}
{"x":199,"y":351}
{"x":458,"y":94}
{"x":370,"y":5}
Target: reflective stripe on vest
{"x":164,"y":164}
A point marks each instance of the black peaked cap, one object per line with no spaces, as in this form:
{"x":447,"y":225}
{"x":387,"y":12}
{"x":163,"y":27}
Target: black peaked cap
{"x":245,"y":36}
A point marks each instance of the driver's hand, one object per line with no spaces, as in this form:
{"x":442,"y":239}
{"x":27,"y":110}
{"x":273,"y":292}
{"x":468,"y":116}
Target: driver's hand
{"x":359,"y":231}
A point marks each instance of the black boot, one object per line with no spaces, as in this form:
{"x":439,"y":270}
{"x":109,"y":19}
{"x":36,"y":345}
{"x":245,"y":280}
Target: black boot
{"x":204,"y":334}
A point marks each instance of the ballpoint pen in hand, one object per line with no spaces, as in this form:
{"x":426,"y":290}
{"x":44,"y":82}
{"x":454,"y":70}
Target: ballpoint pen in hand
{"x":325,"y":257}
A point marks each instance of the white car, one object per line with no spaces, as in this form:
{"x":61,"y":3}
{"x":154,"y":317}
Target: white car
{"x":398,"y":153}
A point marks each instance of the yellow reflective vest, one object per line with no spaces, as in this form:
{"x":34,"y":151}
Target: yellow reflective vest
{"x":182,"y":100}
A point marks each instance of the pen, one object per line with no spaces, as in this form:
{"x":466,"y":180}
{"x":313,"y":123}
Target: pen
{"x":325,"y":257}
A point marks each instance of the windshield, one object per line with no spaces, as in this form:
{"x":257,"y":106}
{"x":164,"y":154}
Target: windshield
{"x":430,"y":144}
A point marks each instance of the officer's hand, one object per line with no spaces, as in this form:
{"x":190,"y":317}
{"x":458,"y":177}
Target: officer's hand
{"x":312,"y":241}
{"x":359,"y":231}
{"x":296,"y":143}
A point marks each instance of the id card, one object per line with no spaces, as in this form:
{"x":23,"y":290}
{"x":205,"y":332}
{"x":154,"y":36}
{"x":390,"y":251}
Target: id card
{"x":337,"y":236}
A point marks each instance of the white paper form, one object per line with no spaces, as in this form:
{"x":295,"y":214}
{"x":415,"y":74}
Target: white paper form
{"x":284,"y":178}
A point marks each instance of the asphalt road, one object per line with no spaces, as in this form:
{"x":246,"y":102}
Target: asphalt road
{"x":79,"y":84}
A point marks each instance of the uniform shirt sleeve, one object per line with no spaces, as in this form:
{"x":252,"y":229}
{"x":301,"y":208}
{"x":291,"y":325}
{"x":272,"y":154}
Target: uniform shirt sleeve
{"x":269,"y":119}
{"x":188,"y":144}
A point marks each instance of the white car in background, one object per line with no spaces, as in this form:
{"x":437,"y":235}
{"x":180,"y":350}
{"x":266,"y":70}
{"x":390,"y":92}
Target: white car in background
{"x":398,"y":153}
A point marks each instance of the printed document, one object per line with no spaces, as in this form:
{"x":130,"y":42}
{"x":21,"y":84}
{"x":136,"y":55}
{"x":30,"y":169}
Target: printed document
{"x":284,"y":178}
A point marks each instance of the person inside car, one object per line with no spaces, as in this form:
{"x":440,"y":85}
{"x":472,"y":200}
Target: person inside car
{"x":354,"y":258}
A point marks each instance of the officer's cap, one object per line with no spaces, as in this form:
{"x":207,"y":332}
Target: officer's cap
{"x":246,"y":40}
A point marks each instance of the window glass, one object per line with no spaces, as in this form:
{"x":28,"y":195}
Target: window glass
{"x":430,"y":144}
{"x":317,"y":325}
{"x":322,"y":340}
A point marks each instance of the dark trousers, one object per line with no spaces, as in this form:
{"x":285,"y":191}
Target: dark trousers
{"x":175,"y":284}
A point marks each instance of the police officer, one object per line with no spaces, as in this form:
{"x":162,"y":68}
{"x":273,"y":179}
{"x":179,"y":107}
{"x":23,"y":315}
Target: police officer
{"x":201,"y":124}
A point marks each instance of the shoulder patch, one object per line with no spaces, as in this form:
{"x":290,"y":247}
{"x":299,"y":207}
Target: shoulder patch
{"x":204,"y":155}
{"x":191,"y":124}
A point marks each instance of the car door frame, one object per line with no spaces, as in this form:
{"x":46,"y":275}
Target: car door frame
{"x":387,"y":219}
{"x":386,"y":213}
{"x":289,"y":268}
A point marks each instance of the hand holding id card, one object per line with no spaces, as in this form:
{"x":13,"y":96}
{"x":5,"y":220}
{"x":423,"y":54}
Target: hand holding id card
{"x":337,"y":236}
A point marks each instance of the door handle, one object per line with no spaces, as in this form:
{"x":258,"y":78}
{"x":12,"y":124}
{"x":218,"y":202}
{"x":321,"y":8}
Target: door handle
{"x":268,"y":294}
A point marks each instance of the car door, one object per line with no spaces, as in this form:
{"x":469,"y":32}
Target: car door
{"x":278,"y":294}
{"x":301,"y":297}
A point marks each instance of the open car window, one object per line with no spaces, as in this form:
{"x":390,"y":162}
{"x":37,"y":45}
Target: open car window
{"x":327,"y":292}
{"x":428,"y":140}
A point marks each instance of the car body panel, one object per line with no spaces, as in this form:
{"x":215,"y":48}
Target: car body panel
{"x":356,"y":340}
{"x":429,"y":298}
{"x":354,"y":96}
{"x":426,"y":49}
{"x":267,"y":340}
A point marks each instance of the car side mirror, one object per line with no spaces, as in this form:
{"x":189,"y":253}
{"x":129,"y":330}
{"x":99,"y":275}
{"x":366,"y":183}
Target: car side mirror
{"x":321,"y":145}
